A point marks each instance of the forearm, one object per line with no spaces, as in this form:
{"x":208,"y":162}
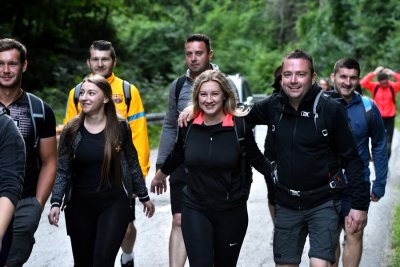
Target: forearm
{"x":45,"y":182}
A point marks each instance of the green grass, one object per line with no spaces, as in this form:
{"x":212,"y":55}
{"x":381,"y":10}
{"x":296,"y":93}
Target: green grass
{"x":395,"y":262}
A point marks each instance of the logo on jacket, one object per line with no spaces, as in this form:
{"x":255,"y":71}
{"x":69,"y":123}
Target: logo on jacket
{"x":117,"y":98}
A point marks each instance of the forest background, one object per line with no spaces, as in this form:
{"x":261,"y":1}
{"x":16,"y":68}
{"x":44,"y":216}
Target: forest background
{"x":248,"y":37}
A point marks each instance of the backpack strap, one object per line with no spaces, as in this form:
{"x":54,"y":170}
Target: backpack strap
{"x":36,"y":108}
{"x":77,"y":91}
{"x":391,"y":91}
{"x":367,"y":102}
{"x":241,"y":130}
{"x":178,"y":87}
{"x":127,"y":95}
{"x":318,"y":105}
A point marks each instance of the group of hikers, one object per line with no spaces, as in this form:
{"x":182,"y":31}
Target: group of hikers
{"x":318,"y":150}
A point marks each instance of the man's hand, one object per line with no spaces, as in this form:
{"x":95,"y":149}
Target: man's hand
{"x":159,"y":184}
{"x":374,"y":198}
{"x":185,"y":116}
{"x":356,"y":221}
{"x":378,"y":69}
{"x":388,"y":71}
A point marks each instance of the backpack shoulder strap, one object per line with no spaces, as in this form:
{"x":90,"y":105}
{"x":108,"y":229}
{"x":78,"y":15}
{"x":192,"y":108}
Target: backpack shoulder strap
{"x":367,"y":102}
{"x":127,"y":94}
{"x":36,"y":107}
{"x":178,"y":87}
{"x":240,"y":130}
{"x":375,"y":90}
{"x":318,"y":106}
{"x":77,"y":91}
{"x":393,"y":94}
{"x":185,"y":132}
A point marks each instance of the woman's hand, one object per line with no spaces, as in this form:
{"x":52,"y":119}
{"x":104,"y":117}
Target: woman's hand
{"x":148,"y":208}
{"x":54,"y":216}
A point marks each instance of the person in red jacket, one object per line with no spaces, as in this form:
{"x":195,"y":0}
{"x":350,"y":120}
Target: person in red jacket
{"x":384,"y":93}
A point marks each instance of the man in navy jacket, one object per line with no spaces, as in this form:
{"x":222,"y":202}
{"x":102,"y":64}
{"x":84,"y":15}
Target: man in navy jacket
{"x":367,"y":125}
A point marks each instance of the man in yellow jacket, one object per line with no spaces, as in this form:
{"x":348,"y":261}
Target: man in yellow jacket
{"x":102,"y":60}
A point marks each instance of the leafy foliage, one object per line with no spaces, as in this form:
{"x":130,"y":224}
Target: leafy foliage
{"x":248,"y":37}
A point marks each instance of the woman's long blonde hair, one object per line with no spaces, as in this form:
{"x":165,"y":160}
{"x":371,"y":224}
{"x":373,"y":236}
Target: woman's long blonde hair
{"x":110,"y":169}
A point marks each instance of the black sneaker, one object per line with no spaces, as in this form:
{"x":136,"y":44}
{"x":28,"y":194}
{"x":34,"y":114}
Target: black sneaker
{"x":128,"y":264}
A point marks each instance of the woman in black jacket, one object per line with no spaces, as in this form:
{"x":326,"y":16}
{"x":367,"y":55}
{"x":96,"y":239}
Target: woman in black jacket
{"x":214,"y":211}
{"x":97,"y":172}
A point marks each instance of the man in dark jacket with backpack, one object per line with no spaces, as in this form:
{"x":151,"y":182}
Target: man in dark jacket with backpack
{"x":367,"y":128}
{"x":312,"y":144}
{"x":36,"y":122}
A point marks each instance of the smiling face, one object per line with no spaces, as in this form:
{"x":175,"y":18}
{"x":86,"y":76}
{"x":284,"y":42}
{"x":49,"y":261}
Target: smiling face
{"x":101,"y":62}
{"x":297,"y":79}
{"x":211,"y":99}
{"x":92,"y":98}
{"x":11,"y":69}
{"x":346,"y":81}
{"x":197,"y":57}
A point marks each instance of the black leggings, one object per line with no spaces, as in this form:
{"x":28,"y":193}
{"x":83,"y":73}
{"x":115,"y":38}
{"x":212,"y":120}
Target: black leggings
{"x":96,"y":224}
{"x":214,"y":238}
{"x":389,"y":125}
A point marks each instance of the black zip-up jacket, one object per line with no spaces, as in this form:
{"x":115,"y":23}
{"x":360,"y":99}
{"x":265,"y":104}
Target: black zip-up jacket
{"x":213,"y":161}
{"x":305,"y":158}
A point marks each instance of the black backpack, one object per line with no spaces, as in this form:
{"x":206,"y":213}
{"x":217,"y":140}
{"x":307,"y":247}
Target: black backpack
{"x":127,"y":94}
{"x":178,"y":87}
{"x":36,"y":108}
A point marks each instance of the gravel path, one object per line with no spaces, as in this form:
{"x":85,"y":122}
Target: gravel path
{"x":52,"y":246}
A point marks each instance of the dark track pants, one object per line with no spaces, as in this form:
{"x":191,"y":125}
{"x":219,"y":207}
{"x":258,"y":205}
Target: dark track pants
{"x":96,"y":224}
{"x":214,"y":238}
{"x":389,"y":125}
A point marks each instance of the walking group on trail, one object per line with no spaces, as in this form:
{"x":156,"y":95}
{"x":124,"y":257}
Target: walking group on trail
{"x":318,"y":149}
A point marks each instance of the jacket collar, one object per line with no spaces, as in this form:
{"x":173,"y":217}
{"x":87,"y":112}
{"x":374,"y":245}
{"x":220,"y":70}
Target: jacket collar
{"x":111,"y":78}
{"x":226,"y":122}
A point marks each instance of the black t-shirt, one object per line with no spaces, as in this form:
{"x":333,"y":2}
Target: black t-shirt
{"x":20,"y":113}
{"x":88,"y":162}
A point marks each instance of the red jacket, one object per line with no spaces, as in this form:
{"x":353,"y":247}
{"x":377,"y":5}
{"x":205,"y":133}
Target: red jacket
{"x":383,"y":97}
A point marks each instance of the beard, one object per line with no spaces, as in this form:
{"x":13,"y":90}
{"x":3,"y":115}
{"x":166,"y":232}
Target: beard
{"x":15,"y":83}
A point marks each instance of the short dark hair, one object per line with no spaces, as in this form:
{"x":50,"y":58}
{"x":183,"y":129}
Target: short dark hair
{"x":348,"y":63}
{"x":199,"y":37}
{"x":7,"y":44}
{"x":382,"y":76}
{"x":103,"y":45}
{"x":298,"y":53}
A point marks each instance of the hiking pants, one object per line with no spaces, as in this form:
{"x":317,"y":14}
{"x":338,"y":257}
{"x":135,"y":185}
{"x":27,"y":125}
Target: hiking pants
{"x":214,"y":238}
